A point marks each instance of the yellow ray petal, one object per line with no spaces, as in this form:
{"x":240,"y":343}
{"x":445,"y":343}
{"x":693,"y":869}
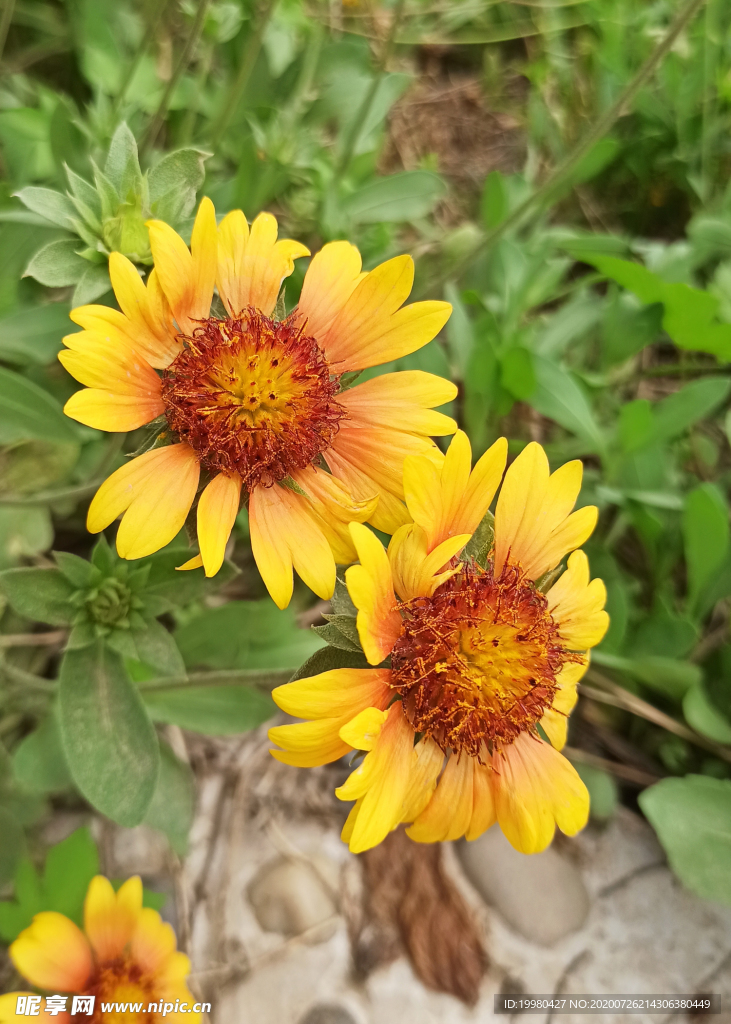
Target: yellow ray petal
{"x":119,"y":490}
{"x":253,"y":264}
{"x":402,"y":401}
{"x":533,"y":527}
{"x":390,"y":512}
{"x":285,"y":533}
{"x":310,"y":744}
{"x":381,"y":780}
{"x":53,"y":954}
{"x":577,"y":605}
{"x":340,"y":692}
{"x":371,"y":588}
{"x":196,"y":562}
{"x":449,"y":812}
{"x":152,"y":944}
{"x":99,"y":363}
{"x":555,"y":721}
{"x":406,"y":331}
{"x":218,"y":507}
{"x":110,"y":917}
{"x":149,"y":318}
{"x":334,"y":508}
{"x":159,"y":507}
{"x":483,"y":804}
{"x":416,"y":573}
{"x":329,"y":282}
{"x":423,"y":776}
{"x":187,"y":277}
{"x":535,"y":788}
{"x":116,"y":414}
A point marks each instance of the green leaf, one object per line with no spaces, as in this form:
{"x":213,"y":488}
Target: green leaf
{"x":181,"y":588}
{"x":57,"y":264}
{"x":42,"y":595}
{"x":12,"y":846}
{"x":706,"y":537}
{"x":174,"y":182}
{"x":692,"y":817}
{"x":55,"y":207}
{"x":495,"y":205}
{"x":92,"y":284}
{"x":603,"y":790}
{"x":173,"y":802}
{"x":396,"y":198}
{"x":702,"y":715}
{"x":122,"y":166}
{"x":212,"y":710}
{"x":558,"y":396}
{"x":33,"y":334}
{"x":516,"y":373}
{"x":690,"y":314}
{"x":329,"y":658}
{"x":152,"y":644}
{"x":340,"y":631}
{"x":341,"y":600}
{"x":480,"y":543}
{"x":459,"y":332}
{"x":39,"y":764}
{"x":76,"y":570}
{"x":110,"y":744}
{"x":679,"y":411}
{"x":245,"y":634}
{"x":70,"y":867}
{"x":28,"y":411}
{"x":601,"y":154}
{"x":24,"y":532}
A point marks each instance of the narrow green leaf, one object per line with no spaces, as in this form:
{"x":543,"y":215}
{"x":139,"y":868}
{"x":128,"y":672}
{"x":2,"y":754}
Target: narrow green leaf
{"x":110,"y":744}
{"x":27,"y":411}
{"x":559,"y":396}
{"x":704,"y":717}
{"x":212,"y":710}
{"x":706,"y":536}
{"x":33,"y":334}
{"x":55,"y":207}
{"x":396,"y":198}
{"x":122,"y":166}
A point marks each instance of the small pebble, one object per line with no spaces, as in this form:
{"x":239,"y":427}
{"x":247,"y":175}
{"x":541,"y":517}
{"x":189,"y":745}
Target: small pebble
{"x":541,"y":895}
{"x":327,"y":1013}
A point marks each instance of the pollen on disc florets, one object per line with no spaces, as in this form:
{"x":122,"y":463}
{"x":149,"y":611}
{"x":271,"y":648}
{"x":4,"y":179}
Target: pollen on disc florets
{"x":253,"y":396}
{"x":476,"y":663}
{"x":120,"y":981}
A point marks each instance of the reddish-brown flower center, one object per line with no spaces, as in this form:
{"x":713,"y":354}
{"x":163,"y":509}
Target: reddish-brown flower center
{"x":253,"y":396}
{"x":117,"y":982}
{"x":477,"y":663}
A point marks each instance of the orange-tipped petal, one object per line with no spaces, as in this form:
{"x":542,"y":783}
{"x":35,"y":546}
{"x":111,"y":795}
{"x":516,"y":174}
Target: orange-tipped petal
{"x":53,"y":954}
{"x":187,"y":277}
{"x":371,"y":588}
{"x":110,"y":917}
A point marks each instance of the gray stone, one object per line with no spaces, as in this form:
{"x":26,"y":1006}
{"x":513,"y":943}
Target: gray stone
{"x":290,"y":897}
{"x":542,"y":896}
{"x":327,"y":1013}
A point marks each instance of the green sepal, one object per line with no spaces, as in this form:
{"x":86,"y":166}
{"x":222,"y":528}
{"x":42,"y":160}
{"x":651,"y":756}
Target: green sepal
{"x":341,"y":632}
{"x":292,"y":485}
{"x":341,"y":600}
{"x":329,"y":658}
{"x":158,"y":435}
{"x":481,"y":542}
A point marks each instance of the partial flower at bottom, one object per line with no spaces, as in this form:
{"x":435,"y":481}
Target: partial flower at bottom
{"x":125,"y":954}
{"x":253,"y":405}
{"x":483,"y":663}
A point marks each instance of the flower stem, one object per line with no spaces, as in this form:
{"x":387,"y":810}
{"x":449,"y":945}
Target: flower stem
{"x":153,"y":129}
{"x":238,"y":86}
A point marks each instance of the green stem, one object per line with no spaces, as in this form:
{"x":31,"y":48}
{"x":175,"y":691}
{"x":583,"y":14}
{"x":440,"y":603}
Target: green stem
{"x":600,"y":129}
{"x":244,"y":677}
{"x":354,"y":133}
{"x":7,"y":17}
{"x":153,"y":129}
{"x":188,"y":126}
{"x":149,"y":34}
{"x":238,"y":86}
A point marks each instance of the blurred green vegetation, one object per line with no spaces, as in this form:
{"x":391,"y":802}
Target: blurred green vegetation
{"x":560,"y":171}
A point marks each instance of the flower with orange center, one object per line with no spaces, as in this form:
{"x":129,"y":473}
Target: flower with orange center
{"x":255,"y":407}
{"x":125,"y":954}
{"x":483,"y":659}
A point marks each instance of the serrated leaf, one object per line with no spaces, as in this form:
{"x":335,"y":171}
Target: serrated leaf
{"x":57,"y":264}
{"x":110,"y":744}
{"x":42,"y":595}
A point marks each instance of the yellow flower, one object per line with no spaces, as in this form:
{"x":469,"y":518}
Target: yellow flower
{"x":255,"y":403}
{"x":480,"y":660}
{"x":126,"y":954}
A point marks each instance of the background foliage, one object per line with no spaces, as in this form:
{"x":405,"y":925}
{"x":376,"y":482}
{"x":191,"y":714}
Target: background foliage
{"x":560,"y":172}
